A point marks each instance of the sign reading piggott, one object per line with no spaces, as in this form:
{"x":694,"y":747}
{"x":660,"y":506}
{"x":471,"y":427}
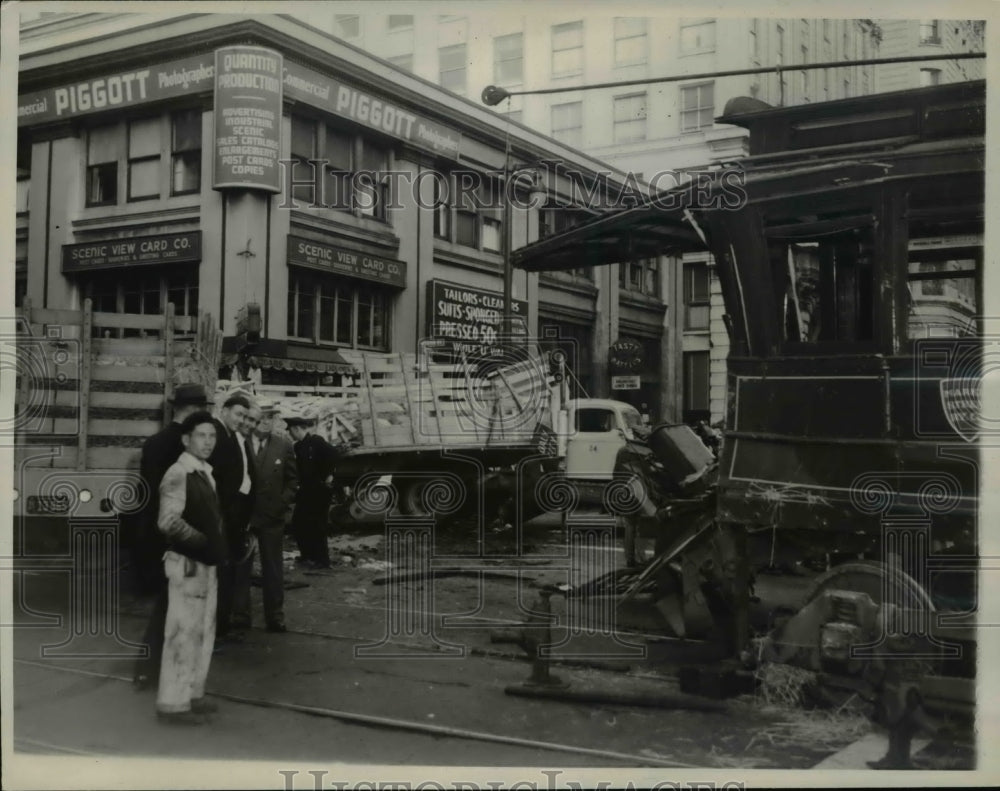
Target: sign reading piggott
{"x":346,"y":262}
{"x":248,"y":93}
{"x":119,"y":89}
{"x":472,"y":318}
{"x":167,"y":248}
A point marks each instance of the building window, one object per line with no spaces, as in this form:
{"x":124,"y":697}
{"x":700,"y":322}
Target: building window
{"x":348,"y":25}
{"x":930,"y":77}
{"x":845,"y":35}
{"x":567,"y":49}
{"x":515,"y":115}
{"x":185,"y":148}
{"x":826,"y":84}
{"x":23,"y":177}
{"x":698,"y":37}
{"x":630,"y":118}
{"x":631,"y":41}
{"x":642,"y":277}
{"x":144,"y":291}
{"x":20,"y":270}
{"x":754,"y":41}
{"x":567,"y":123}
{"x":930,"y":31}
{"x":136,"y":149}
{"x":451,"y":68}
{"x":508,"y":59}
{"x":103,"y":151}
{"x":144,"y":159}
{"x":697,"y":107}
{"x":554,"y":219}
{"x":696,"y":296}
{"x":404,"y":62}
{"x":353,"y":167}
{"x":696,"y":404}
{"x":399,"y":21}
{"x":303,"y":149}
{"x":827,"y":27}
{"x":469,"y":210}
{"x":847,"y":87}
{"x":325,"y":308}
{"x":804,"y":75}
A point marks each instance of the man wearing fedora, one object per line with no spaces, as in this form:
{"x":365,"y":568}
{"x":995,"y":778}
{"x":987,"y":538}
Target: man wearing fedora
{"x":277,"y":482}
{"x":159,"y":453}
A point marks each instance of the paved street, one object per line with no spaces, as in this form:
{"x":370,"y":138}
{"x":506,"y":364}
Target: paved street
{"x":306,"y":697}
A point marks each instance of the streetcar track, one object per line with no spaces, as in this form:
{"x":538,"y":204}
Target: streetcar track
{"x":392,"y":723}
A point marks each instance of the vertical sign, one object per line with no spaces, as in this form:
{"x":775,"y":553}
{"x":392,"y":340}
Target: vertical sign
{"x":248,"y":84}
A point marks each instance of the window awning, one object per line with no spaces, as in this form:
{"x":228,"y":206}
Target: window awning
{"x":280,"y":355}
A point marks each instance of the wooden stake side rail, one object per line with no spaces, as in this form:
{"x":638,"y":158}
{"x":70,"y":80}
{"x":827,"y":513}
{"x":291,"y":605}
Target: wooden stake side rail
{"x":400,"y":402}
{"x":88,"y":403}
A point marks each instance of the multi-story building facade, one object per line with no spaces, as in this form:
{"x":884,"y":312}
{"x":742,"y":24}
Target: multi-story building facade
{"x":145,"y":177}
{"x":654,"y":129}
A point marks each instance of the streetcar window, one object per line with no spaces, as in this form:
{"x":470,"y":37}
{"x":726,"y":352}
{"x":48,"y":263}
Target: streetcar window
{"x":824,"y":286}
{"x":942,"y":291}
{"x":943,"y":294}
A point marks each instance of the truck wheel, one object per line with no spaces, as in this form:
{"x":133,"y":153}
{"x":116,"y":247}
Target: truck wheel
{"x":411,"y":499}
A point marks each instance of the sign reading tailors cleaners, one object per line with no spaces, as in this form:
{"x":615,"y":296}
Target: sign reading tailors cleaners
{"x":472,"y":317}
{"x":346,"y":262}
{"x":166,"y":248}
{"x":248,"y":84}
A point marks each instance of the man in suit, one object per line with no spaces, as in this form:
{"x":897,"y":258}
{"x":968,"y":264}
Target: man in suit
{"x":159,"y":452}
{"x":233,"y":475}
{"x":316,"y":459}
{"x":277,"y":482}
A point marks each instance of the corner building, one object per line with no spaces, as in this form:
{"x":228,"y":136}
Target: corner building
{"x":150,"y":172}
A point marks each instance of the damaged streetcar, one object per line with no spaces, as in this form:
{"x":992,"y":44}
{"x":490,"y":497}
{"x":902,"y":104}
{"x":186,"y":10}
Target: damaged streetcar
{"x":851,"y":269}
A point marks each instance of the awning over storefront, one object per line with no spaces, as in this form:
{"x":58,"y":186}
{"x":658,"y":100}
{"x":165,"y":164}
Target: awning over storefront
{"x":279,"y":355}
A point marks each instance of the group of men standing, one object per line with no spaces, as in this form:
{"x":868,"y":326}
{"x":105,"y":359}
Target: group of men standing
{"x":220,"y":490}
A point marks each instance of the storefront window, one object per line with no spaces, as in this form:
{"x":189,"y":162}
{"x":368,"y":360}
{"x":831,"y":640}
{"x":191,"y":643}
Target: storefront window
{"x":330,"y":309}
{"x":146,"y":291}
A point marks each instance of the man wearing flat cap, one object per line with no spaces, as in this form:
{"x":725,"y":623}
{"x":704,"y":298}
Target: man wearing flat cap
{"x":159,"y":453}
{"x":316,"y":459}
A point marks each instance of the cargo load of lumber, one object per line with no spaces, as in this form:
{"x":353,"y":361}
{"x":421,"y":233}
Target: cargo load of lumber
{"x":402,"y":400}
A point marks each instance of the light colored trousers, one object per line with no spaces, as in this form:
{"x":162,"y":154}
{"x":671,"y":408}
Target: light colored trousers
{"x":190,"y":633}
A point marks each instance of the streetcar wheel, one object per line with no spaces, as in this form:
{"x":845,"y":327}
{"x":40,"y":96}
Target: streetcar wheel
{"x":876,"y":579}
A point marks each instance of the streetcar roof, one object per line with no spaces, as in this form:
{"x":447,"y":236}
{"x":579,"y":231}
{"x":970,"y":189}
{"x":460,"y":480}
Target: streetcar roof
{"x":801,"y":150}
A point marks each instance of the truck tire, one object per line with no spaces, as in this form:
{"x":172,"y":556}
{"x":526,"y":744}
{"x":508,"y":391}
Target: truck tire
{"x":411,"y":498}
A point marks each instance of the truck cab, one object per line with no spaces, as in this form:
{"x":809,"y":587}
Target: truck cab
{"x":597,"y":429}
